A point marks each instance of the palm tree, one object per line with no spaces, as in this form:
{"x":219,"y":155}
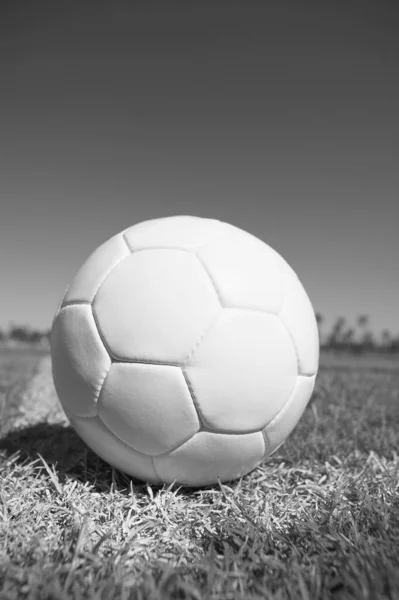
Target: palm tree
{"x":335,"y":337}
{"x":362,"y":322}
{"x":386,"y":339}
{"x":395,"y":344}
{"x":348,"y":338}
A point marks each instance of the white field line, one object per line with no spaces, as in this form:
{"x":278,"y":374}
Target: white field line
{"x":38,"y":400}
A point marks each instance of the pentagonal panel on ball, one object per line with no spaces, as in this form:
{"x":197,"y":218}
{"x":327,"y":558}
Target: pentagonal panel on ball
{"x":155,"y":305}
{"x":277,"y":431}
{"x":298,"y":315}
{"x":177,"y":231}
{"x":243,"y":371}
{"x":207,"y":457}
{"x":79,"y":359}
{"x":113,"y":451}
{"x":148,"y":407}
{"x":93,"y":272}
{"x":244,"y":271}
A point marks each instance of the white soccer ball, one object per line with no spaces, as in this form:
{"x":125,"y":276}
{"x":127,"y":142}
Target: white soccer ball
{"x":184,"y":350}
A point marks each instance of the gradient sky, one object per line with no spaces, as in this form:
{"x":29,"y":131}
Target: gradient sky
{"x":279,"y":117}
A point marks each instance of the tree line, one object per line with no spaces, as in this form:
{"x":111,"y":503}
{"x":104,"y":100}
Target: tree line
{"x":342,"y":336}
{"x":24,"y":335}
{"x":357,"y":338}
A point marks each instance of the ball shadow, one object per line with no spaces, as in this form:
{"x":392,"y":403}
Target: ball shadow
{"x":62,"y":449}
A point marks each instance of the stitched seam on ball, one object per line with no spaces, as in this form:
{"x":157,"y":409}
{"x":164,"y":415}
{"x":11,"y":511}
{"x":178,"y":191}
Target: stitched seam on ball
{"x":144,"y":361}
{"x":135,"y":250}
{"x":155,"y":469}
{"x":117,"y":436}
{"x":266,"y":442}
{"x":118,"y":360}
{"x":293,"y":343}
{"x":75,"y":303}
{"x":201,"y":338}
{"x":126,"y":242}
{"x":98,"y":418}
{"x":206,"y":429}
{"x":98,"y":393}
{"x":150,"y":456}
{"x":193,"y":398}
{"x":100,"y":334}
{"x":107,"y":274}
{"x":211,"y":279}
{"x":176,"y":447}
{"x":300,"y":373}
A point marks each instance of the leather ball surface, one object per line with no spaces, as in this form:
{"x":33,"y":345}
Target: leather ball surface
{"x":185,"y":349}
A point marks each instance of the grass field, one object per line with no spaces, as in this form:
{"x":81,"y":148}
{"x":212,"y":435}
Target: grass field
{"x":320,"y":519}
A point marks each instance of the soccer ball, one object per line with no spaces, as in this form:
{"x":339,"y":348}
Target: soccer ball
{"x":184,"y":350}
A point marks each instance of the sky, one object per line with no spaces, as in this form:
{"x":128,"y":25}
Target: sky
{"x":279,"y":117}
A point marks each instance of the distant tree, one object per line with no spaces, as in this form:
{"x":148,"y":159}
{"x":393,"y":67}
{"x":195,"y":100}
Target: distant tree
{"x":22,"y":333}
{"x":320,"y":321}
{"x":363,"y":321}
{"x":34,"y":336}
{"x":386,"y":339}
{"x":348,"y":338}
{"x":368,"y":341}
{"x":365,"y":338}
{"x":395,"y":344}
{"x":389,"y":341}
{"x":335,"y":337}
{"x":19,"y":333}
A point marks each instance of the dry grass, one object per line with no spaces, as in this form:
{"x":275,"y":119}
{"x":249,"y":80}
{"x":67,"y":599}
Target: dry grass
{"x":320,"y":519}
